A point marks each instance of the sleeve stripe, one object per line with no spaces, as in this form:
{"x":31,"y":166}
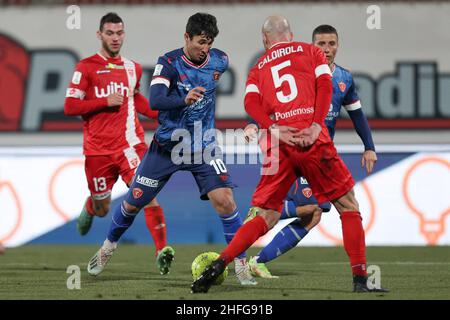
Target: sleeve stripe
{"x":251,"y":88}
{"x":322,"y":69}
{"x":160,"y":80}
{"x":75,"y":93}
{"x":353,"y":106}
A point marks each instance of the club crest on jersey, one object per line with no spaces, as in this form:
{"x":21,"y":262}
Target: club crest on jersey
{"x":134,"y":162}
{"x":216,"y":75}
{"x":342,"y":86}
{"x":307,"y":192}
{"x":137,"y":193}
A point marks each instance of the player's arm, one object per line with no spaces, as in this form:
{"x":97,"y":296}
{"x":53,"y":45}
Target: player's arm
{"x":353,"y":106}
{"x":141,"y":103}
{"x":252,"y":101}
{"x":251,"y":130}
{"x":163,"y":93}
{"x":76,"y":105}
{"x":324,"y":93}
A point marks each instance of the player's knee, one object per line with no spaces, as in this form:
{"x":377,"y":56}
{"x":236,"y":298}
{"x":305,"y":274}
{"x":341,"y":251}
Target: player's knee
{"x":102,"y":211}
{"x":101,"y":208}
{"x":271,"y":217}
{"x":153,"y":203}
{"x":225,"y":205}
{"x":346,"y":203}
{"x":130,"y":208}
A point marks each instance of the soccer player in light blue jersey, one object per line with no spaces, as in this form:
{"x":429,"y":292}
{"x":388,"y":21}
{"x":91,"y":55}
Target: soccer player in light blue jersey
{"x":300,"y":201}
{"x":183,"y":90}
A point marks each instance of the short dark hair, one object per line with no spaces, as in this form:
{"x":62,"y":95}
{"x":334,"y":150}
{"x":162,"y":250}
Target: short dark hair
{"x":202,"y":23}
{"x":324,"y":28}
{"x":110,"y":17}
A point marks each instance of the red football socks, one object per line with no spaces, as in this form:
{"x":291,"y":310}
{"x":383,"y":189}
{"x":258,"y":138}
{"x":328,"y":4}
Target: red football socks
{"x":244,"y":238}
{"x":354,"y":241}
{"x":156,"y":224}
{"x":90,"y":206}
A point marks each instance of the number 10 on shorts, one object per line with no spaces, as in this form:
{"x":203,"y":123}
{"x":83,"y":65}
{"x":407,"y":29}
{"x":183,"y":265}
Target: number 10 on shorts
{"x":219,"y":166}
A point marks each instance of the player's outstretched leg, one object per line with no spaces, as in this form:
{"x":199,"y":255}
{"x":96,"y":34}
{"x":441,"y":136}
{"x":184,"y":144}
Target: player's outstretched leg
{"x":244,"y":238}
{"x":231,"y":223}
{"x":101,"y":258}
{"x":164,"y":259}
{"x":223,"y":202}
{"x":84,"y":221}
{"x":284,"y":240}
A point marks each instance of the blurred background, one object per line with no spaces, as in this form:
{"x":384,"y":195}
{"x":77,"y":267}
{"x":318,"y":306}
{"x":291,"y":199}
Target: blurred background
{"x":397,"y":51}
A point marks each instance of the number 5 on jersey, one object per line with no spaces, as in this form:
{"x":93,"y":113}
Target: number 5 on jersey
{"x":278,"y":82}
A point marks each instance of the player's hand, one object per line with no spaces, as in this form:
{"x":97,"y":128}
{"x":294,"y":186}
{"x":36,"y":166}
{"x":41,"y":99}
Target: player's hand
{"x":250,"y":132}
{"x":115,"y":99}
{"x":194,"y":95}
{"x":368,"y":159}
{"x":288,"y":135}
{"x":309,"y":135}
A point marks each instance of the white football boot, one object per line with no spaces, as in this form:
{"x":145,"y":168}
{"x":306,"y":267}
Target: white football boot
{"x":243,"y":273}
{"x":99,"y":261}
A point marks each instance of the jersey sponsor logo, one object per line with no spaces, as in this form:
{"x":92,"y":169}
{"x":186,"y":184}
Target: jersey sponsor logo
{"x":137,"y":193}
{"x":279,"y":53}
{"x":342,"y":86}
{"x":216,"y":75}
{"x":303,"y":181}
{"x":147,"y":181}
{"x":76,"y":79}
{"x":158,"y":69}
{"x":112,"y":87}
{"x":292,"y":113}
{"x":307,"y":192}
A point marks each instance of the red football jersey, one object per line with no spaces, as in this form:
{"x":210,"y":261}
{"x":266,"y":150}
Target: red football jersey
{"x":285,"y":80}
{"x":106,"y":129}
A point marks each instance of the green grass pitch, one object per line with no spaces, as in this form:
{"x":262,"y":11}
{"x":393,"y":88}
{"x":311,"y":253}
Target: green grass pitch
{"x":39,"y":272}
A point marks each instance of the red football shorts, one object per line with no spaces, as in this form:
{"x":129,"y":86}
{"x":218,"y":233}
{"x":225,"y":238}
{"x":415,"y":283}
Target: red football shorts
{"x":103,"y":171}
{"x":320,"y":164}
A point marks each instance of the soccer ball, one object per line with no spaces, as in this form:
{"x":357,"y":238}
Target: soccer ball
{"x":202,"y":261}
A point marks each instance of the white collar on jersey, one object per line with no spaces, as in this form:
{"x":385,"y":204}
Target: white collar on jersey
{"x":104,"y":58}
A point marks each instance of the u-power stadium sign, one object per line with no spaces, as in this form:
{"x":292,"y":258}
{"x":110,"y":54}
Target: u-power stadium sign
{"x":33,"y":84}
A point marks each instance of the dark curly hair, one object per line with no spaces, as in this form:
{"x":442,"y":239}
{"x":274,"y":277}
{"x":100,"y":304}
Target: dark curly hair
{"x":202,"y":23}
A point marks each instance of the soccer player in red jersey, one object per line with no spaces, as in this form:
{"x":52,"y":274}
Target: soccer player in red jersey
{"x":105,"y":92}
{"x":289,"y":92}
